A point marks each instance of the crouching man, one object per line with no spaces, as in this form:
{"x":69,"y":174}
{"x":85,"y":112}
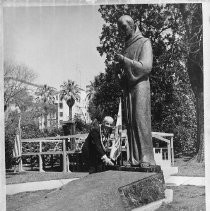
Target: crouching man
{"x":96,"y":145}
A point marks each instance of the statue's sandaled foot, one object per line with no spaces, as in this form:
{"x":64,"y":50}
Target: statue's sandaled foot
{"x":145,"y":165}
{"x":150,"y":167}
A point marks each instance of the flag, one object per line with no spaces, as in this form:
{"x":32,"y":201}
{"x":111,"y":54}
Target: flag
{"x":17,"y":147}
{"x":119,"y":115}
{"x":116,"y":146}
{"x":17,"y":141}
{"x":127,"y":148}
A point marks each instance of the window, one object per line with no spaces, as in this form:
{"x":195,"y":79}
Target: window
{"x":61,"y":105}
{"x":61,"y":114}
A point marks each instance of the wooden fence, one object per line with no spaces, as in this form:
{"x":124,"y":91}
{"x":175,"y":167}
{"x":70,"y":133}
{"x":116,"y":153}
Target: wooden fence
{"x":59,"y":139}
{"x":165,"y":137}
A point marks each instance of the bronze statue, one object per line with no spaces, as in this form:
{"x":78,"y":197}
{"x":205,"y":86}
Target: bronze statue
{"x":136,"y":61}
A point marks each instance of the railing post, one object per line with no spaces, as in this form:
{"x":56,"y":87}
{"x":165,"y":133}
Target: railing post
{"x":67,"y":162}
{"x":20,"y":165}
{"x":64,"y":156}
{"x":31,"y":162}
{"x":51,"y":161}
{"x":169,"y":151}
{"x":67,"y":156}
{"x":172,"y":150}
{"x":40,"y":157}
{"x":161,"y":152}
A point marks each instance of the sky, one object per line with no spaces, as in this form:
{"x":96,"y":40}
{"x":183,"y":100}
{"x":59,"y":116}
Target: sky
{"x":57,"y":43}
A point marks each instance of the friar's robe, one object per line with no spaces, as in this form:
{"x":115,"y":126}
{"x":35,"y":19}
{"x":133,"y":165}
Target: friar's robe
{"x":135,"y":80}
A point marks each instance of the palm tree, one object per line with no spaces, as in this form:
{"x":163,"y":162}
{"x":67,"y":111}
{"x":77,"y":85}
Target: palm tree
{"x":46,"y":99}
{"x":70,"y":93}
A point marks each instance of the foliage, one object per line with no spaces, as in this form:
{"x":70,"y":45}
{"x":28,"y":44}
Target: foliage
{"x":15,"y":76}
{"x":173,"y":102}
{"x":70,"y":92}
{"x":106,"y":98}
{"x":193,"y":46}
{"x":32,"y":130}
{"x":81,"y":126}
{"x":45,"y":101}
{"x":10,"y":131}
{"x":90,"y":90}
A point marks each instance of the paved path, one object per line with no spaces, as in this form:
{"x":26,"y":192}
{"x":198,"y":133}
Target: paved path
{"x":181,"y":180}
{"x":52,"y":184}
{"x":34,"y":186}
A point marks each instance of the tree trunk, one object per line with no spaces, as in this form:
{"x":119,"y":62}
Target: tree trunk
{"x":70,"y":113}
{"x":45,"y":118}
{"x":196,"y":80}
{"x":192,"y":16}
{"x":70,"y":102}
{"x":200,"y":127}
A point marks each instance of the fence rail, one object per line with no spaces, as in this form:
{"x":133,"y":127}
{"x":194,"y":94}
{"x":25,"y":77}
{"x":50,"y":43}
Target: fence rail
{"x":70,"y":138}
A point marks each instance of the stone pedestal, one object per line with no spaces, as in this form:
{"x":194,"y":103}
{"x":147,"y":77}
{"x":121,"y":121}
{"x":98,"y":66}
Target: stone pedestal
{"x":142,"y":192}
{"x":155,"y":168}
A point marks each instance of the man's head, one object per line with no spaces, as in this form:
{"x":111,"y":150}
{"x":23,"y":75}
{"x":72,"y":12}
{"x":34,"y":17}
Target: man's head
{"x":126,"y":26}
{"x":107,"y":124}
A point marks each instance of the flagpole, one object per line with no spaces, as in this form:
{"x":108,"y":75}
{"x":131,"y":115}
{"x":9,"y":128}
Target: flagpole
{"x":121,"y":155}
{"x":19,"y":131}
{"x":116,"y":150}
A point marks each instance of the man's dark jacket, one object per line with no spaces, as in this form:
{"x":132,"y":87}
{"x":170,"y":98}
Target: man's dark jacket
{"x":93,"y":148}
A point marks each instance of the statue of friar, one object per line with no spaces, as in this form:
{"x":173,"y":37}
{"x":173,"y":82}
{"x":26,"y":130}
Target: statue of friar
{"x":136,"y":62}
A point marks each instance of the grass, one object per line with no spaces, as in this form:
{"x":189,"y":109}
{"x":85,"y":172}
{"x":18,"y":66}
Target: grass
{"x":189,"y":167}
{"x":189,"y":198}
{"x":34,"y":176}
{"x":20,"y":200}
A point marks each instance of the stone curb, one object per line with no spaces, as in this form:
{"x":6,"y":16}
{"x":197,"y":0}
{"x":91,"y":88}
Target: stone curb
{"x":181,"y":180}
{"x":35,"y":186}
{"x":51,"y":184}
{"x":155,"y":205}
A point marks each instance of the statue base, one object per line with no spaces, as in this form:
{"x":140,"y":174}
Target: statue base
{"x":154,"y":168}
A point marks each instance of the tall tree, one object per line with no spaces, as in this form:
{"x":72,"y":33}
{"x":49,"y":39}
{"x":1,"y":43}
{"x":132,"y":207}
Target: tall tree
{"x":70,"y":93}
{"x":193,"y":48}
{"x":16,"y":79}
{"x":46,"y":98}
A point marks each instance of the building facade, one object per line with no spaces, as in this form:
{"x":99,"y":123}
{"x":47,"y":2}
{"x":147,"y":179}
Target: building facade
{"x":61,"y":115}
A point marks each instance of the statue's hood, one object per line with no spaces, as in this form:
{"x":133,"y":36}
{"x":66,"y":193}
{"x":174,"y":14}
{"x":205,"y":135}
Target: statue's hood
{"x":138,"y":35}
